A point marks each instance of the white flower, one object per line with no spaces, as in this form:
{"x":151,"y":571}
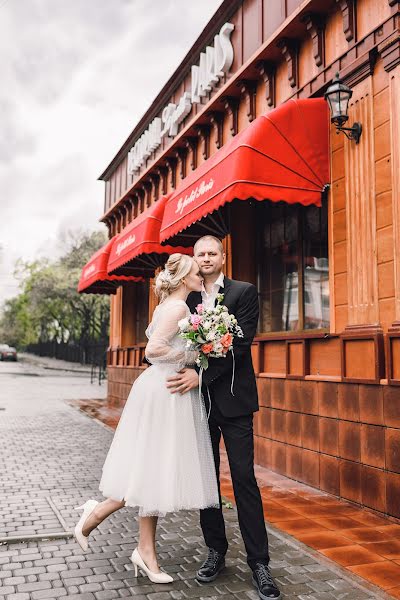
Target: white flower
{"x":183,"y":324}
{"x":206,"y":325}
{"x":210,"y":336}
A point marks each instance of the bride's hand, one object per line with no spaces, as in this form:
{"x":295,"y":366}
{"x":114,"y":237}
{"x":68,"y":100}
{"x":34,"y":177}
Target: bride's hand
{"x":184,"y":381}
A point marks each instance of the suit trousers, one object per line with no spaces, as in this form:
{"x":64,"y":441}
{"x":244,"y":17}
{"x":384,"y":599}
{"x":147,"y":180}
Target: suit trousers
{"x":237,"y":433}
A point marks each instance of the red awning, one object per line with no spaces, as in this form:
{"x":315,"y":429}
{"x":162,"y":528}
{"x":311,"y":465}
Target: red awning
{"x":137,"y":249}
{"x":95,"y":279}
{"x":281,"y":156}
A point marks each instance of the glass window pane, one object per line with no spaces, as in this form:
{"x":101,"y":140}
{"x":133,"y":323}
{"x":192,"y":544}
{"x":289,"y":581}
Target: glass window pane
{"x":278,"y":266}
{"x":316,"y":267}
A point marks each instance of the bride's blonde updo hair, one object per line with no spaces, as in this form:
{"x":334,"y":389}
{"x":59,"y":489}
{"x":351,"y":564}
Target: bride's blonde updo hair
{"x":170,"y":278}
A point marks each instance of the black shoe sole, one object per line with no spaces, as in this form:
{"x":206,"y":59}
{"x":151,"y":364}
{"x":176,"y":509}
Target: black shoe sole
{"x":262,"y":596}
{"x":208,"y":579}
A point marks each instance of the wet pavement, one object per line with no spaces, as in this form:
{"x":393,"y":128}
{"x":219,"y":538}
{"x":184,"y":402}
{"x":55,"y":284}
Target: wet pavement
{"x":51,"y":456}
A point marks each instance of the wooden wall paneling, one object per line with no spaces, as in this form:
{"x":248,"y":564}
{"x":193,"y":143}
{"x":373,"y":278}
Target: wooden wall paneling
{"x":325,"y":357}
{"x":124,"y":172}
{"x":393,"y":356}
{"x":369,"y":14}
{"x":282,"y":86}
{"x":274,"y":358}
{"x":362,"y":357}
{"x":237,"y":39}
{"x":290,"y":51}
{"x":307,"y":65}
{"x":394,"y":86}
{"x":361,"y":211}
{"x":252,"y":27}
{"x":274,"y":13}
{"x":296,"y":359}
{"x":335,"y":40}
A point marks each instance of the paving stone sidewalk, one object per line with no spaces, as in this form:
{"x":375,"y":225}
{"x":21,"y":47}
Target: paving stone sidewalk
{"x":51,"y":461}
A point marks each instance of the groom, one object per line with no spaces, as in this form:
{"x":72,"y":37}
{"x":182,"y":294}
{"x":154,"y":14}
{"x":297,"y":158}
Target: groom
{"x":232,"y":417}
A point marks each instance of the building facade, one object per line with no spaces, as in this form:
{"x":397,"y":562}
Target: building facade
{"x":327,"y":352}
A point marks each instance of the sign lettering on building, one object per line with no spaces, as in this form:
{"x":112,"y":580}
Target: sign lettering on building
{"x":214,"y":63}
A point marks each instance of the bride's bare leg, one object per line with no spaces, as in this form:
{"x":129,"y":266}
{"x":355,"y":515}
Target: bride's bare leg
{"x":102,"y":511}
{"x":147,"y":542}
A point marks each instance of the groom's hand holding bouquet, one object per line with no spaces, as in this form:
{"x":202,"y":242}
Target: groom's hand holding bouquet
{"x":210,"y":332}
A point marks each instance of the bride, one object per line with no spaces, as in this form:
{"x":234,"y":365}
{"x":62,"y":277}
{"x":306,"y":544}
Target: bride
{"x":160,"y":459}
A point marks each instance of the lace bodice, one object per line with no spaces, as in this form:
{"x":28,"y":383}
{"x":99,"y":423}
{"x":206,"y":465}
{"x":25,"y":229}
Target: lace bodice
{"x":165,"y":346}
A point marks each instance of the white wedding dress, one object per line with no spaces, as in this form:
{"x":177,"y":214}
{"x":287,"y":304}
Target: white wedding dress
{"x":160,"y":459}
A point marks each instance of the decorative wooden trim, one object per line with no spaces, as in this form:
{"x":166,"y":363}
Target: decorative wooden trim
{"x":359,"y":69}
{"x":290,"y":51}
{"x":181,"y":155}
{"x":155,"y":183}
{"x":389,"y":51}
{"x":231,"y":105}
{"x":348,"y":9}
{"x":107,"y":223}
{"x":299,"y":342}
{"x":267,"y":71}
{"x":217,"y":124}
{"x":135,"y":205}
{"x":248,"y":90}
{"x":393,"y":333}
{"x":203,"y":131}
{"x":170,"y":163}
{"x":162,"y":172}
{"x":315,"y":26}
{"x":148,"y":187}
{"x":364,"y":332}
{"x":191,"y":145}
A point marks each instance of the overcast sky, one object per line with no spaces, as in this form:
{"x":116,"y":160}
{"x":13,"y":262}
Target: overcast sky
{"x":76,"y":76}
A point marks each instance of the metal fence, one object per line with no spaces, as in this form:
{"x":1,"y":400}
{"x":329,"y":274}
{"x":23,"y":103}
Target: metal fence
{"x":90,"y":354}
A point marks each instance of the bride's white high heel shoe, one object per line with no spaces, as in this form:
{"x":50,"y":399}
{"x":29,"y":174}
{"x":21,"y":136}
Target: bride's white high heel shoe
{"x":87,"y":508}
{"x":139,"y":563}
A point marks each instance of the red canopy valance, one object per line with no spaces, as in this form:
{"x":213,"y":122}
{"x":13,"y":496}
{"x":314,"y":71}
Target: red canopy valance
{"x":283,"y":155}
{"x":137,"y":249}
{"x":95,"y":279}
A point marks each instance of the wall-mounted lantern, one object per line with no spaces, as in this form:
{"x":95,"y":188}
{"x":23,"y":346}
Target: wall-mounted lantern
{"x":338,"y":95}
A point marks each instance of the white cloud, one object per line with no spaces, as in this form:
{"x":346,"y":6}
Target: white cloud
{"x":75,"y":78}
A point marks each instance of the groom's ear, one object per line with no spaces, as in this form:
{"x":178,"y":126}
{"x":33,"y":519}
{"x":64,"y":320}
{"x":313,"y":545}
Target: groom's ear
{"x":223,"y":258}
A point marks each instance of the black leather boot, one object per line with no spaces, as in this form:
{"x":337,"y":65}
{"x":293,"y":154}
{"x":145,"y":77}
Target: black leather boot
{"x":211,"y":567}
{"x":263,"y":581}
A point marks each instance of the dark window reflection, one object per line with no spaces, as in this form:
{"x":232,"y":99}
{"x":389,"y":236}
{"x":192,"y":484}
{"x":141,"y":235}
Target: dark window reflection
{"x":293,"y":254}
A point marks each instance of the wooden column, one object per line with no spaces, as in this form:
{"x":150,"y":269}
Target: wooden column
{"x":394,"y":87}
{"x":361,"y":212}
{"x":191,"y":145}
{"x":267,"y":71}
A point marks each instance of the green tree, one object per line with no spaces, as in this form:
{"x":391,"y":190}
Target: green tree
{"x":49,"y":307}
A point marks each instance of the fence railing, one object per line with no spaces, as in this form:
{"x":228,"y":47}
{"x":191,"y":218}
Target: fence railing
{"x":89,"y":354}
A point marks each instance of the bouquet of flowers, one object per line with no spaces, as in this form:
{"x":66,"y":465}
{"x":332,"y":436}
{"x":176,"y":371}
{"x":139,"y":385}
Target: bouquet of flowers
{"x":210,"y":331}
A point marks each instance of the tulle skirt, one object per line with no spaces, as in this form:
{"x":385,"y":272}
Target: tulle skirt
{"x":160,"y":459}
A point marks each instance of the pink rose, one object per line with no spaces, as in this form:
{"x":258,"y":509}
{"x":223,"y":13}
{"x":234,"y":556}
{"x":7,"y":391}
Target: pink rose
{"x":195,"y":321}
{"x":200,"y":309}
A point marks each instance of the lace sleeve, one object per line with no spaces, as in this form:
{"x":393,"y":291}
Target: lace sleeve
{"x":160,"y":347}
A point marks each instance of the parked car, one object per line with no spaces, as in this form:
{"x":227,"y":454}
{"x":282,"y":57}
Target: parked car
{"x":8,"y":352}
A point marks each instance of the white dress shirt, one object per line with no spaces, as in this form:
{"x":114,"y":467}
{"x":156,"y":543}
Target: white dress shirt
{"x":208,"y":300}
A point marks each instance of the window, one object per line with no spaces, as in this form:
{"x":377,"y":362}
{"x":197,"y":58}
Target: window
{"x":293,"y":270}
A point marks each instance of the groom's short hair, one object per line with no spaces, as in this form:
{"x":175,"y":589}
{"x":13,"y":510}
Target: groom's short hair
{"x":207,"y":238}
